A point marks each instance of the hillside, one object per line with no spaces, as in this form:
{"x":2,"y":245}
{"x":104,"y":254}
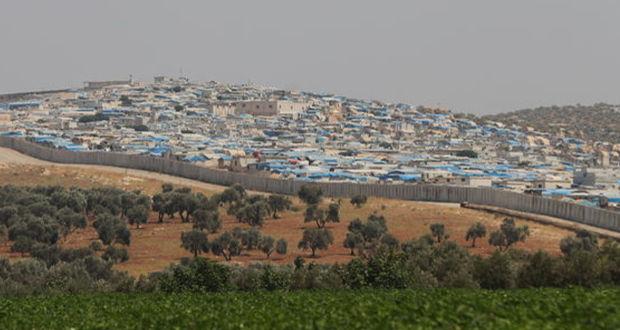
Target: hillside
{"x":156,"y":245}
{"x":598,"y":122}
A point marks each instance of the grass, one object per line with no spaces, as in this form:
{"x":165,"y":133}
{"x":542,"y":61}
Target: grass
{"x":370,"y":309}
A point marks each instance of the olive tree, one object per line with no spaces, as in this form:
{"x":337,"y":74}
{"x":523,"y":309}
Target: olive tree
{"x":477,"y":230}
{"x":508,"y":234}
{"x":195,"y":241}
{"x":278,"y":203}
{"x":207,"y":220}
{"x":316,"y":239}
{"x":227,"y":246}
{"x":310,"y":195}
{"x":438,"y":230}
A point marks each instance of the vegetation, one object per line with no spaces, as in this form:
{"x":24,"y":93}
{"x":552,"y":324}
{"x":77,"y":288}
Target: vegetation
{"x":195,"y":241}
{"x":438,"y":230}
{"x":35,"y":220}
{"x":359,"y":200}
{"x":93,"y":118}
{"x":477,"y":230}
{"x":311,"y":195}
{"x":278,"y":203}
{"x":316,"y":239}
{"x":467,"y":153}
{"x":597,"y":122}
{"x":140,"y":128}
{"x":367,"y":237}
{"x":508,"y":234}
{"x":370,"y":309}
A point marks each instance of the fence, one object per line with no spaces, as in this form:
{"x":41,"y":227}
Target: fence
{"x":418,"y":192}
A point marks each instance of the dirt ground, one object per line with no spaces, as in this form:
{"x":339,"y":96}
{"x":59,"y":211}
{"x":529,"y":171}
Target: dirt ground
{"x":155,"y":245}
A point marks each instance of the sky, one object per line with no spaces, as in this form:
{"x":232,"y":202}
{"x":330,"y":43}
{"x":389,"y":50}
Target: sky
{"x":470,"y":56}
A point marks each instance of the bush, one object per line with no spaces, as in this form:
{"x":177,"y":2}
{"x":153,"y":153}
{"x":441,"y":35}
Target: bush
{"x":115,"y":255}
{"x":96,"y":246}
{"x":198,"y":275}
{"x":540,"y":270}
{"x":495,"y":272}
{"x":467,"y":153}
{"x":93,"y":118}
{"x":310,"y":195}
{"x":359,"y":200}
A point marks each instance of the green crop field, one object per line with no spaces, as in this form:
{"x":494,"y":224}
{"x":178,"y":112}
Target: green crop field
{"x":372,"y":309}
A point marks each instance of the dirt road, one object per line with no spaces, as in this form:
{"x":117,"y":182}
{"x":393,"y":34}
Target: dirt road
{"x":9,"y":156}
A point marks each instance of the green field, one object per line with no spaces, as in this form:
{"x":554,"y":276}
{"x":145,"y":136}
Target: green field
{"x":372,"y":309}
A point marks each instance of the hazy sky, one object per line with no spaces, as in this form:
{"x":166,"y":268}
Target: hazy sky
{"x":474,"y":56}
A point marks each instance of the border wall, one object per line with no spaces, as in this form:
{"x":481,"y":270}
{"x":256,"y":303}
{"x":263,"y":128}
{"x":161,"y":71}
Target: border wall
{"x":417,"y":192}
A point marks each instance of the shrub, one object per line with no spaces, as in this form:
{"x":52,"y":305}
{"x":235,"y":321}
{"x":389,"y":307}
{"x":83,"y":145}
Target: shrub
{"x":359,"y":200}
{"x":116,"y":255}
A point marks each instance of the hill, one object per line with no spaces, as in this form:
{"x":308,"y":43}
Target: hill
{"x":598,"y":122}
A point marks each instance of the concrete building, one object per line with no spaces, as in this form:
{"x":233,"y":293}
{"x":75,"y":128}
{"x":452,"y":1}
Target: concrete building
{"x":271,"y":108}
{"x":221,"y":109}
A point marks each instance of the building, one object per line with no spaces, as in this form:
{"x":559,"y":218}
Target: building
{"x":271,"y":108}
{"x":5,"y":117}
{"x":221,"y":109}
{"x":583,"y":177}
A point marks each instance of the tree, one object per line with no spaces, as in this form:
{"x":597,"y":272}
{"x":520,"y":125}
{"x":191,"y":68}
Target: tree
{"x":43,"y":229}
{"x":138,"y":215}
{"x":368,"y":236}
{"x":249,"y":238}
{"x":73,"y":199}
{"x":254,"y":214}
{"x":227,"y":246}
{"x":160,"y":205}
{"x":70,"y":220}
{"x":316,"y":239}
{"x":281,"y":246}
{"x":497,"y":239}
{"x":195,"y":241}
{"x":438,"y":230}
{"x":184,"y":202}
{"x":267,"y":245}
{"x":477,"y":230}
{"x":207,"y":220}
{"x":353,"y":241}
{"x":111,"y":229}
{"x":508,"y":234}
{"x":495,"y":272}
{"x":540,"y":270}
{"x":22,"y":245}
{"x":316,"y":214}
{"x":359,"y":200}
{"x":128,"y":200}
{"x":278,"y":203}
{"x":583,"y":241}
{"x":467,"y":153}
{"x":311,"y":195}
{"x":333,"y":213}
{"x":230,"y":195}
{"x":167,"y":187}
{"x":115,"y":254}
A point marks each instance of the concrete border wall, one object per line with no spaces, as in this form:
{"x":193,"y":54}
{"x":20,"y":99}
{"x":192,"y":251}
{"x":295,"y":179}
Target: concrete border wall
{"x":418,"y":192}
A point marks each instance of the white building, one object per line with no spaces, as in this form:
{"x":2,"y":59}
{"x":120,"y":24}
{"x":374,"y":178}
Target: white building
{"x":271,"y":108}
